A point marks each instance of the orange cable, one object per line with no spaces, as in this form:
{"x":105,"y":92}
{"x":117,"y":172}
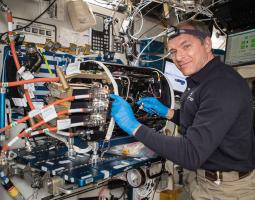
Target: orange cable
{"x":22,"y":82}
{"x":71,"y":98}
{"x":24,"y":133}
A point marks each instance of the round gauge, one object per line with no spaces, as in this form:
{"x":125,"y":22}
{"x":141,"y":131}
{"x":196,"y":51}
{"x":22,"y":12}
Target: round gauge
{"x":136,"y":177}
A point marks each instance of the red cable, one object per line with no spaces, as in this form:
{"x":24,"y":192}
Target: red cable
{"x":22,"y":82}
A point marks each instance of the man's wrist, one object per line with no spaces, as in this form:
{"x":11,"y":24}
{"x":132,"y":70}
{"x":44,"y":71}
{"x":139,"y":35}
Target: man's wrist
{"x":135,"y":131}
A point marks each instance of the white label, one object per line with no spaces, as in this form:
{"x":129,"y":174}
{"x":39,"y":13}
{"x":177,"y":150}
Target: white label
{"x":44,"y":168}
{"x":21,"y":70}
{"x":64,"y":162}
{"x":31,"y":94}
{"x":73,"y":68}
{"x":20,"y":102}
{"x":87,"y":176}
{"x":124,"y":163}
{"x":106,"y":173}
{"x":29,"y":157}
{"x":27,"y":75}
{"x":63,"y":124}
{"x":56,"y":170}
{"x":30,"y":86}
{"x":49,"y":113}
{"x":119,"y":166}
{"x":24,"y":102}
{"x":17,"y":102}
{"x":9,"y":26}
{"x":90,"y":180}
{"x":38,"y":104}
{"x":33,"y":113}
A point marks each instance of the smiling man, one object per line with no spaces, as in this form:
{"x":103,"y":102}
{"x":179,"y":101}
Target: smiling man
{"x":215,"y":120}
{"x":191,"y":50}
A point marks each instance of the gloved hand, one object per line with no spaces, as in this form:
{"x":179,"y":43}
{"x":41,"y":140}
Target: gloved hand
{"x":153,"y":106}
{"x":123,"y":114}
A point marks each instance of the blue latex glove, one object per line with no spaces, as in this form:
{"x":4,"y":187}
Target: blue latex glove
{"x":123,"y":114}
{"x":153,"y":106}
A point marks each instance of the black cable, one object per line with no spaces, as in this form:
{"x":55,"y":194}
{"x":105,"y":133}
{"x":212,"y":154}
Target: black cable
{"x":162,"y":170}
{"x":156,"y":187}
{"x":20,"y":28}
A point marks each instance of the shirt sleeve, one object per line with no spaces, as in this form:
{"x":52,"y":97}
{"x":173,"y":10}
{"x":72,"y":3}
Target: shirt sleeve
{"x":219,"y":108}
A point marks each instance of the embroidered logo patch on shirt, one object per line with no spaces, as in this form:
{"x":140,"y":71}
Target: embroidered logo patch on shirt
{"x":190,"y":98}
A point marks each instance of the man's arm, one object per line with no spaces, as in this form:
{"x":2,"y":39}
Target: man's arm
{"x":218,"y":110}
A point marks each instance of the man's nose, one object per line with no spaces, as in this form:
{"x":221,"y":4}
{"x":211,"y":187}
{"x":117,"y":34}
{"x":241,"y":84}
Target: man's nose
{"x":179,"y":55}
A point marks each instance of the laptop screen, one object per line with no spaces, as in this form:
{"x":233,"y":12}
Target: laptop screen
{"x":240,"y":48}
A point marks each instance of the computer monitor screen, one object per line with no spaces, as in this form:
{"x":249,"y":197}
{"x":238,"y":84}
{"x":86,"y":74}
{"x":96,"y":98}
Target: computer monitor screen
{"x":175,"y":76}
{"x":240,"y":48}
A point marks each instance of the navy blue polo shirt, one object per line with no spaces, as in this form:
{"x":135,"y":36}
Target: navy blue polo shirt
{"x":215,"y":119}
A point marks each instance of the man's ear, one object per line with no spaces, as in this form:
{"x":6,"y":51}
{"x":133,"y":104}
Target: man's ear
{"x":208,"y":44}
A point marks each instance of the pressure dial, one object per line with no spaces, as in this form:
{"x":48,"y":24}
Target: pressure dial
{"x":136,"y":177}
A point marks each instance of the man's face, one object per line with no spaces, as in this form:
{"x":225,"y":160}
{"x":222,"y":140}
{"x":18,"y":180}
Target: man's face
{"x":189,"y":53}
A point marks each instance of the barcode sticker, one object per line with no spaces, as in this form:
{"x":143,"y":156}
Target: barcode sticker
{"x":49,"y":113}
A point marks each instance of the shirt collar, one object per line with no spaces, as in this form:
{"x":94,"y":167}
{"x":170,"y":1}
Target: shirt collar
{"x":202,"y":75}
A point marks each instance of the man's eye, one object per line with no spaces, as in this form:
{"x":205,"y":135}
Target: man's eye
{"x":172,"y":53}
{"x":186,"y":46}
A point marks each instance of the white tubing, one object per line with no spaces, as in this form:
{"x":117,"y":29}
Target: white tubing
{"x":77,"y":110}
{"x":82,"y":151}
{"x":77,"y":124}
{"x":14,"y":140}
{"x":63,"y":133}
{"x":115,"y":90}
{"x":85,"y":96}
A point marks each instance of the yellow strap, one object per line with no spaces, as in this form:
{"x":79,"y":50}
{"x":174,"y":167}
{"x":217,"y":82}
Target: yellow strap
{"x":46,"y":63}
